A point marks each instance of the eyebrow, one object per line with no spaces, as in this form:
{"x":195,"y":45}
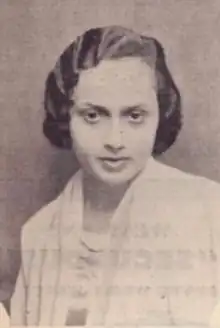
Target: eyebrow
{"x":125,"y":110}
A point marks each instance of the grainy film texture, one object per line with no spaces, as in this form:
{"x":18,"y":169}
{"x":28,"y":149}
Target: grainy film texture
{"x":109,"y":175}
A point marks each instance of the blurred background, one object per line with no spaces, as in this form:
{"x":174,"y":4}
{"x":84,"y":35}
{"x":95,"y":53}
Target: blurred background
{"x":33,"y":34}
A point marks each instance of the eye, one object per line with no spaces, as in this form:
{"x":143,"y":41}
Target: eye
{"x":136,"y":117}
{"x":91,"y":116}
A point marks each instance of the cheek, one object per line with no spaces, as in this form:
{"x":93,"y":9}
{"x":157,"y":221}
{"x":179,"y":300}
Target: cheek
{"x":79,"y":137}
{"x":142,"y":139}
{"x":85,"y":141}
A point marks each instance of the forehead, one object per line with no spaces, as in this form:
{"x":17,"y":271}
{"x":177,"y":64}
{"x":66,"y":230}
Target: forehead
{"x":116,"y":83}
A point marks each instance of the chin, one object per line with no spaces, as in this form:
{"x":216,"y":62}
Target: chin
{"x":116,"y":179}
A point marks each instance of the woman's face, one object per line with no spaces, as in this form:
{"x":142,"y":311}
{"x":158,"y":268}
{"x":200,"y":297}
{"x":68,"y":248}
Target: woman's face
{"x":114,"y":119}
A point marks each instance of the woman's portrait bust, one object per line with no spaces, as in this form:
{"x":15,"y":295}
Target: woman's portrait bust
{"x":129,"y":241}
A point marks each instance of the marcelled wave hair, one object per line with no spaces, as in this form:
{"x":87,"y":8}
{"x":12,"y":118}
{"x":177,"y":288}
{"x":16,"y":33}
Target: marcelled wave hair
{"x":87,"y":51}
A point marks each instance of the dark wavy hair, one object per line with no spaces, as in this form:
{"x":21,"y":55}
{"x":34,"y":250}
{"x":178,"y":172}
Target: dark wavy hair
{"x":87,"y":51}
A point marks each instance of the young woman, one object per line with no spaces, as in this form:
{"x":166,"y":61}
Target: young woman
{"x":129,"y":241}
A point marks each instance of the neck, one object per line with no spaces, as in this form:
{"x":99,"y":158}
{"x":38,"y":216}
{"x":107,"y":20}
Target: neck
{"x":100,"y":202}
{"x":102,"y":196}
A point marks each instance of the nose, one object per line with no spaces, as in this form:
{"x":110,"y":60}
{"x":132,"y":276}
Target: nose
{"x":114,"y":139}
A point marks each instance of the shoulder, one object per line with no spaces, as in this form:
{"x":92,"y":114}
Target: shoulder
{"x":166,"y":172}
{"x":195,"y":191}
{"x":172,"y":182}
{"x":45,"y":219}
{"x":38,"y":224}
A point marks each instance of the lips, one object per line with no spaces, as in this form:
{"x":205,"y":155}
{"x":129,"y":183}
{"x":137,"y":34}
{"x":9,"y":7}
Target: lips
{"x":114,"y":159}
{"x":114,"y":163}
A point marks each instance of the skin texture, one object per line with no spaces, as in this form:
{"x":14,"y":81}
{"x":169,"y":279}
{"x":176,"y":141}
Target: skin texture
{"x":114,"y":120}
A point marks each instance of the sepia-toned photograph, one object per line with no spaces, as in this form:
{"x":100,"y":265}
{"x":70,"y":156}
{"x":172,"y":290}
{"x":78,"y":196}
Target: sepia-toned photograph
{"x":110,"y":175}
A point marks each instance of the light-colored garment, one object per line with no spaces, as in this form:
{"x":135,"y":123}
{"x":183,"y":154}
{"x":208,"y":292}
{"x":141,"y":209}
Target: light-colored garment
{"x":4,"y":318}
{"x":159,"y":263}
{"x":215,"y":317}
